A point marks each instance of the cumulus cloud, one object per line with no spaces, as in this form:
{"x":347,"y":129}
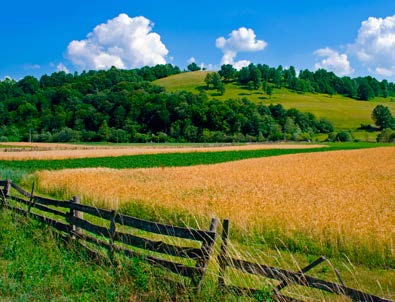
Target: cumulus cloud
{"x":62,"y":67}
{"x":333,"y":61}
{"x":122,"y":42}
{"x":375,"y":45}
{"x":240,"y":40}
{"x":191,"y":60}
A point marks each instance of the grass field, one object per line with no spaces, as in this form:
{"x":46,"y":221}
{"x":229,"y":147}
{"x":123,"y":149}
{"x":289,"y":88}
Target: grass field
{"x":332,"y":202}
{"x":345,"y":113}
{"x":284,"y":210}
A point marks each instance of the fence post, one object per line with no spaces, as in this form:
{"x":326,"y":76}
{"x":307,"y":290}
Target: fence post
{"x":112,"y":237}
{"x":207,"y":248}
{"x":5,"y":192}
{"x":223,"y":253}
{"x":77,"y":214}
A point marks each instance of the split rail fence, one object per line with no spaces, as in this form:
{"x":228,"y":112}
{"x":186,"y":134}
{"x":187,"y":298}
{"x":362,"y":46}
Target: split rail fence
{"x":119,"y":233}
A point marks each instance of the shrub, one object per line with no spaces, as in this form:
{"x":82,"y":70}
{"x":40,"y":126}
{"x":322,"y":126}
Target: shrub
{"x":343,"y":136}
{"x":386,"y":136}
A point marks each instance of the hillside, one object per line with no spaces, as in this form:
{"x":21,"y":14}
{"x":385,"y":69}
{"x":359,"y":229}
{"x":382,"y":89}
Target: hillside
{"x":344,"y":112}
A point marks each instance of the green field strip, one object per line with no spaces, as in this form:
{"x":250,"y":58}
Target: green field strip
{"x":165,"y":159}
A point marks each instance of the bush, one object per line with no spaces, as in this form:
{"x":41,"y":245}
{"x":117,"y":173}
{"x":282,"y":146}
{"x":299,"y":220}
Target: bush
{"x":386,"y":136}
{"x":343,"y":136}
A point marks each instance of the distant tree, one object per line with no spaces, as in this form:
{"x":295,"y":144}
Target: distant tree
{"x":29,"y":84}
{"x":208,"y":79}
{"x":382,"y":117}
{"x":104,"y":132}
{"x":221,"y":88}
{"x":193,"y":67}
{"x":255,"y":76}
{"x":269,"y":90}
{"x":244,"y":75}
{"x":227,"y":72}
{"x":365,"y":92}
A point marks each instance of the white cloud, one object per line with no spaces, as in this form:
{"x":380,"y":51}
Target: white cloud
{"x":375,"y":45}
{"x":191,"y":60}
{"x":385,"y":72}
{"x":240,"y":40}
{"x":62,"y":67}
{"x":333,"y":61}
{"x":122,"y":42}
{"x":210,"y":67}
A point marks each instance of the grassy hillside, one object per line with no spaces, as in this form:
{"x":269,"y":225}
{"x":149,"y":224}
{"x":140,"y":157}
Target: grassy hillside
{"x":345,"y":113}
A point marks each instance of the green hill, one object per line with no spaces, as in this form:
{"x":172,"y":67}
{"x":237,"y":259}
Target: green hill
{"x":345,"y":113}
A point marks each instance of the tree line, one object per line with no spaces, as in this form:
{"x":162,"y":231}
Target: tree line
{"x":124,"y":106}
{"x":320,"y":81}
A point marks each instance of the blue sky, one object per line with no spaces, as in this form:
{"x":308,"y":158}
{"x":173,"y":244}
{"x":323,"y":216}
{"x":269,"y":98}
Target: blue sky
{"x":36,"y":36}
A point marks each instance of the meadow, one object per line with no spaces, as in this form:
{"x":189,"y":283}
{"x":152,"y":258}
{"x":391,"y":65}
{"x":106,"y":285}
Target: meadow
{"x":336,"y":203}
{"x":287,"y":203}
{"x":345,"y":113}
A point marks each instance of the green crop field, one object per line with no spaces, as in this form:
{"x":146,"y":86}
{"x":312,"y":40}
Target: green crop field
{"x":162,"y":160}
{"x":345,"y":113}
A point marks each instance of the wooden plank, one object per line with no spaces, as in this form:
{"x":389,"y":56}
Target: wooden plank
{"x":91,"y":239}
{"x":158,"y":246}
{"x":3,"y":183}
{"x":252,"y":292}
{"x":303,"y":270}
{"x":301,"y":279}
{"x":88,"y":226}
{"x":177,"y":268}
{"x":101,"y":213}
{"x":51,"y":222}
{"x":51,"y":202}
{"x":167,"y":230}
{"x":16,"y":210}
{"x":20,"y":190}
{"x":38,"y":206}
{"x":41,"y":200}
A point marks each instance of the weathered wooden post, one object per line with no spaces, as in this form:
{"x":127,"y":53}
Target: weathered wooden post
{"x":112,"y":237}
{"x":207,"y":249}
{"x":74,"y":213}
{"x":7,"y":188}
{"x":5,"y":192}
{"x":222,"y":257}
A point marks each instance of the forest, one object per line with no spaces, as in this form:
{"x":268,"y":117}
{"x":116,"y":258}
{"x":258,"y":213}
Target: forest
{"x":118,"y":105}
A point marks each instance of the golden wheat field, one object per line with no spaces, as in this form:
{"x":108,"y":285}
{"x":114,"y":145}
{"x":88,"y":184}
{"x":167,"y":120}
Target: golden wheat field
{"x":340,"y":196}
{"x":47,"y":151}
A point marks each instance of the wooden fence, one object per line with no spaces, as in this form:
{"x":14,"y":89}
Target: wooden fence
{"x":67,"y":218}
{"x":285,"y":277}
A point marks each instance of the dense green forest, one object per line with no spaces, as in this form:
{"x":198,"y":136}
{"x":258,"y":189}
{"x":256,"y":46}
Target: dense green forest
{"x":124,"y":106}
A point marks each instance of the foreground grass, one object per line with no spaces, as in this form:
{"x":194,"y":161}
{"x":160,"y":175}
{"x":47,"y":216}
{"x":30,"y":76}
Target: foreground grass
{"x":36,"y":265}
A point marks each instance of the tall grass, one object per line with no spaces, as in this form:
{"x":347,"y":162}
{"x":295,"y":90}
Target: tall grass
{"x":329,"y":202}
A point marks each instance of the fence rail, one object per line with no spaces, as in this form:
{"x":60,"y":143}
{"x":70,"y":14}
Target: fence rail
{"x":67,"y":218}
{"x":284,"y":276}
